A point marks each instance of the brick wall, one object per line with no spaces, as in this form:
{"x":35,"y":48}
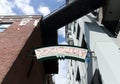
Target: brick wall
{"x":17,"y":60}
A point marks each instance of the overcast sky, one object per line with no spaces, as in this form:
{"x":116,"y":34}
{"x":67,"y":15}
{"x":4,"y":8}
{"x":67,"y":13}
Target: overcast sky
{"x":37,"y":7}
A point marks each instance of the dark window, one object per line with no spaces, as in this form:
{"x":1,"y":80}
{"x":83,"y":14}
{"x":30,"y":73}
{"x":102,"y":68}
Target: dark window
{"x":71,"y":63}
{"x":4,"y":26}
{"x":73,"y":73}
{"x":78,"y":32}
{"x":70,"y":42}
{"x":78,"y":75}
{"x":83,"y":45}
{"x":74,"y":29}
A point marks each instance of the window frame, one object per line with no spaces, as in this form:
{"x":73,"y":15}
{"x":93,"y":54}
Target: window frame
{"x":7,"y":24}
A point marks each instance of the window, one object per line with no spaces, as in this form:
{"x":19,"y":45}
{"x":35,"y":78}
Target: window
{"x":78,"y":32}
{"x":70,"y":42}
{"x":4,"y":26}
{"x":84,"y":44}
{"x":71,"y":63}
{"x":78,"y":78}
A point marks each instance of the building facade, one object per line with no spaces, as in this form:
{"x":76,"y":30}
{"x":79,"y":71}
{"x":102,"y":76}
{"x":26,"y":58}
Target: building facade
{"x":19,"y":36}
{"x":88,"y":32}
{"x":99,"y":32}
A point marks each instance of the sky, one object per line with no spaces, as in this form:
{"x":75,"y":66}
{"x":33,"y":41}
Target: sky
{"x":61,"y":77}
{"x":31,"y":7}
{"x":37,"y":7}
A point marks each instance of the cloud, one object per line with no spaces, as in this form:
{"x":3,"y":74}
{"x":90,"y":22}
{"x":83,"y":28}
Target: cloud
{"x":44,"y":10}
{"x":6,"y":8}
{"x":24,"y":6}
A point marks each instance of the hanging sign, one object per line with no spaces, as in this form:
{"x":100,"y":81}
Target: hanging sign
{"x":61,"y":52}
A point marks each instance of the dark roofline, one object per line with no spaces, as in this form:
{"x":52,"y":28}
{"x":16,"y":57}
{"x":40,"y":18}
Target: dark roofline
{"x":69,"y":13}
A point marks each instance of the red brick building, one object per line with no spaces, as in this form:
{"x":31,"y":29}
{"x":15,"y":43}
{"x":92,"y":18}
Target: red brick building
{"x":19,"y":36}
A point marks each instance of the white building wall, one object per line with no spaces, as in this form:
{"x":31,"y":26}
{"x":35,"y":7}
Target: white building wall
{"x":106,"y":50}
